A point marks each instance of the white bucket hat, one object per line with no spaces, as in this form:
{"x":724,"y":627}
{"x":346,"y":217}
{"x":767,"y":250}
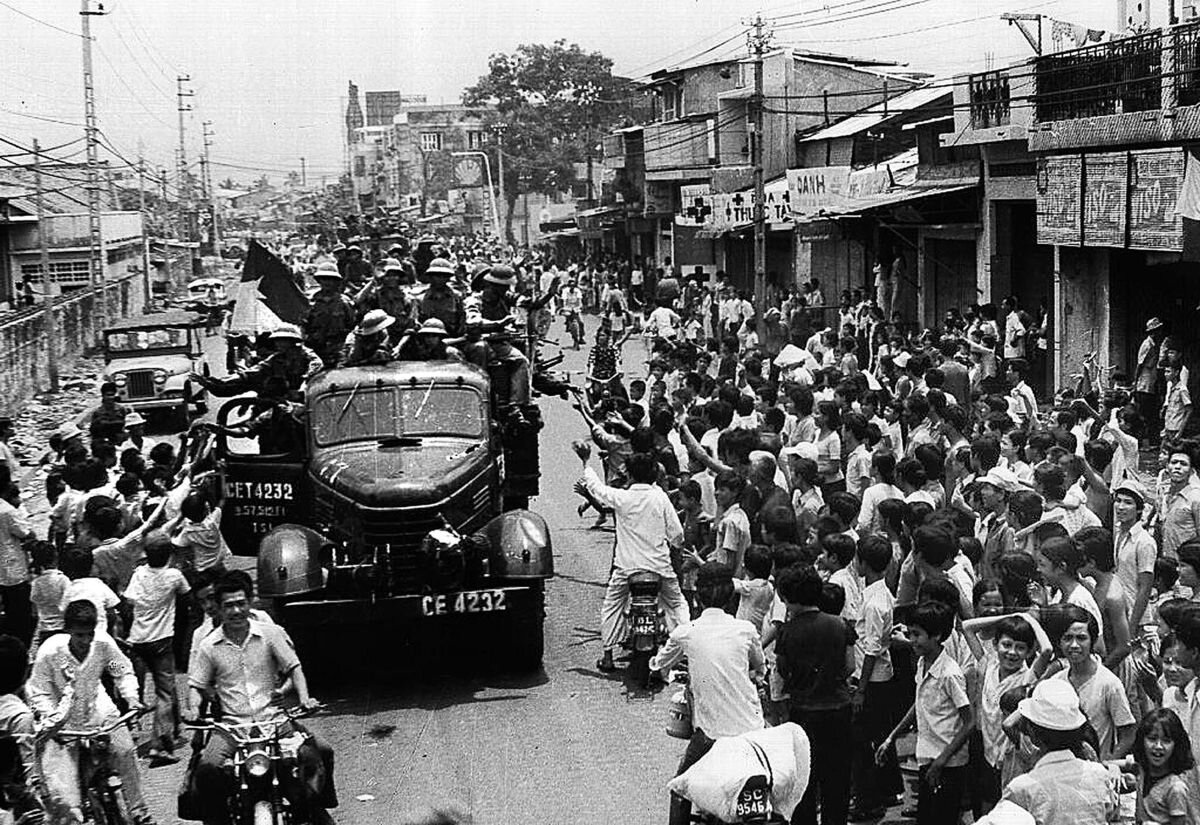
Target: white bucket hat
{"x":1053,"y":705}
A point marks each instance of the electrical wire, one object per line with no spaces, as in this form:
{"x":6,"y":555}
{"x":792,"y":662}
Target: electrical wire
{"x":41,"y":117}
{"x":640,"y":69}
{"x":136,"y":97}
{"x":152,"y":50}
{"x":922,"y":29}
{"x":886,"y":7}
{"x":43,"y":152}
{"x":29,"y":16}
{"x":138,"y":63}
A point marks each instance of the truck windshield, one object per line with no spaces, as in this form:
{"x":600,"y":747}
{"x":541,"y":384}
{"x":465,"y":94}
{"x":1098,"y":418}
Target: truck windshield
{"x":376,"y":413}
{"x":140,"y":340}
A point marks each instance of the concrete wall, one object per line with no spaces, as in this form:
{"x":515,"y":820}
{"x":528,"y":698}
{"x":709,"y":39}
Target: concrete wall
{"x":23,"y":364}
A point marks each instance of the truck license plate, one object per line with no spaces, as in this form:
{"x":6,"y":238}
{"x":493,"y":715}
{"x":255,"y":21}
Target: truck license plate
{"x":466,"y":601}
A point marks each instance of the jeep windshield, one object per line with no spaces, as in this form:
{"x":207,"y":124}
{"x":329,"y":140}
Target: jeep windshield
{"x":141,"y":340}
{"x":371,"y":413}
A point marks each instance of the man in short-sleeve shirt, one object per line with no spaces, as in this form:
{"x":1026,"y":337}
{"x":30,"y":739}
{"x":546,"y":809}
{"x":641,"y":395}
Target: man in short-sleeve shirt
{"x":241,"y":664}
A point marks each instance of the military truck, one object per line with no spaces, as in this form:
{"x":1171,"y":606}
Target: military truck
{"x":403,"y":504}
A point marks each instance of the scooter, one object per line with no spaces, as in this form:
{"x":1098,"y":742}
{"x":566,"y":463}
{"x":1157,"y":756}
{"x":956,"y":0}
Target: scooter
{"x":647,"y":628}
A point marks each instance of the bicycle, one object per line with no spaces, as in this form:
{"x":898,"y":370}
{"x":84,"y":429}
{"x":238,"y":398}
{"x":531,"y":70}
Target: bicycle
{"x":101,"y":794}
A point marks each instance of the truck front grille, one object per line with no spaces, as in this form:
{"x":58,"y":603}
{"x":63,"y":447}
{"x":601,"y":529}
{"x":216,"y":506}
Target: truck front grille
{"x":139,"y":385}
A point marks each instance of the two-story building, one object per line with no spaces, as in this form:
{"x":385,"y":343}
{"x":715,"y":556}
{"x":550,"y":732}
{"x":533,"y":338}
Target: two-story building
{"x":698,"y":142}
{"x":1110,"y":131}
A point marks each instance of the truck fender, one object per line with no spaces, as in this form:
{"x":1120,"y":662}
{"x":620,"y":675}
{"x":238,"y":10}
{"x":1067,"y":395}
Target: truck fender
{"x":520,"y":546}
{"x":289,"y":562}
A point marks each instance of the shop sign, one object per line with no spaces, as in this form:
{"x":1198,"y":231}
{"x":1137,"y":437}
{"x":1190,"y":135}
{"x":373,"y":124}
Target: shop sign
{"x":1156,"y":180}
{"x":1059,"y":200}
{"x":1104,"y":199}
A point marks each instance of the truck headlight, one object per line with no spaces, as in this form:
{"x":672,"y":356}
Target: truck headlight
{"x":160,"y":376}
{"x":120,"y":379}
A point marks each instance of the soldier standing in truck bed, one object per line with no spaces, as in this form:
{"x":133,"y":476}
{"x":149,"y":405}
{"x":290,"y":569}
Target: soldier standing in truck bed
{"x":358,"y":270}
{"x":331,"y":317}
{"x":291,"y":361}
{"x":386,"y":293}
{"x":440,"y":301}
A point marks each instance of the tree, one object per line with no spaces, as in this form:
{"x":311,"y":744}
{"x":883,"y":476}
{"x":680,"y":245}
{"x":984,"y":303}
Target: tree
{"x":554,"y":103}
{"x":227,"y":184}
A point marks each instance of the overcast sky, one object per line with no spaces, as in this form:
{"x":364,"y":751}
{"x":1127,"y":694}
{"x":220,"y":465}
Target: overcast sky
{"x":271,"y":74}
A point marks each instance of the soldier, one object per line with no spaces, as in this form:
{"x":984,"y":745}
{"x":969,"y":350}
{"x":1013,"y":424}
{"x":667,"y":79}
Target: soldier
{"x":492,"y":313}
{"x":331,"y":318}
{"x":108,"y":420}
{"x":385,"y":293}
{"x":440,"y":301}
{"x":292,"y":361}
{"x":358,"y":270}
{"x":340,"y":259}
{"x":428,"y":343}
{"x":369,"y":342}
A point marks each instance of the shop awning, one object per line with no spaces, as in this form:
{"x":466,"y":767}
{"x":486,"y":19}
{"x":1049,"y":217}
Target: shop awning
{"x":900,"y":195}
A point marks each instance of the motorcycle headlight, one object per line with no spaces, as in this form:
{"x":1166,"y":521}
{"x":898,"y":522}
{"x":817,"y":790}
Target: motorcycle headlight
{"x":258,"y":764}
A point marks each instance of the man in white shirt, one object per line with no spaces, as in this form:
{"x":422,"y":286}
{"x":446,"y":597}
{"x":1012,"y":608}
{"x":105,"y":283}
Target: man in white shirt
{"x":647,"y":528}
{"x":1014,"y":330}
{"x":1022,"y":403}
{"x":722,"y":653}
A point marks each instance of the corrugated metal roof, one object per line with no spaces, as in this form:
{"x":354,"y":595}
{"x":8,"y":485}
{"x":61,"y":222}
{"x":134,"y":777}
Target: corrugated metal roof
{"x":881,"y":112}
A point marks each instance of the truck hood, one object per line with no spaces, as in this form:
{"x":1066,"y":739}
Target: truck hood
{"x":379,"y":476}
{"x":174,"y":364}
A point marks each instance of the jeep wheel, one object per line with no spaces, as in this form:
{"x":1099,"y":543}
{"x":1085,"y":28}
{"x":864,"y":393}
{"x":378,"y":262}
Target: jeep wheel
{"x":526,"y":642}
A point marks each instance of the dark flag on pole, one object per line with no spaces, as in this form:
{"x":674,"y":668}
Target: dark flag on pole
{"x":276,"y":286}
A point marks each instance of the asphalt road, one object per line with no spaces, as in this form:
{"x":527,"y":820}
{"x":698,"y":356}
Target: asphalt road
{"x":567,"y":745}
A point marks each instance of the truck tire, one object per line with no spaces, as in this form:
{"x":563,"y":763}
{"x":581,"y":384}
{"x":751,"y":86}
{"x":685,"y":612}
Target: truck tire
{"x":527,"y":633}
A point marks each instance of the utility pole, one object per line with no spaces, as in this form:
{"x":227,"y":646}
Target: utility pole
{"x":51,"y":325}
{"x":146,"y":291}
{"x":303,"y":173}
{"x":498,"y":130}
{"x":166,"y":242}
{"x":91,"y":131}
{"x":759,"y":38}
{"x":212,"y":193}
{"x":185,"y":186}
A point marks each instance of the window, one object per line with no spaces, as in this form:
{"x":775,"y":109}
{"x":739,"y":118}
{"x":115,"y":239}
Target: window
{"x":431,"y":141}
{"x":60,"y":271}
{"x":474,"y":139}
{"x":672,"y":102}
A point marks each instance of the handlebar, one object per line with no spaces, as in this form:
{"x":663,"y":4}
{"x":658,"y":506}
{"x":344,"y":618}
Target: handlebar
{"x":124,"y":718}
{"x":235,"y":729}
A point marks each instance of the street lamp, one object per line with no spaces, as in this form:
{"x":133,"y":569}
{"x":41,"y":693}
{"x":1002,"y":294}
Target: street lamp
{"x":487,"y":165}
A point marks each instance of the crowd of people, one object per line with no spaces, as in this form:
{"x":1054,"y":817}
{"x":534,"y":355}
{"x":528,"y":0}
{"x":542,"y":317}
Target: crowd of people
{"x":873,"y":531}
{"x":127,"y":586}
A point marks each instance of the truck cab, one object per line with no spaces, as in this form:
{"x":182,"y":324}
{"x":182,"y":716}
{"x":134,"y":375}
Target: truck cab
{"x":395,"y":489}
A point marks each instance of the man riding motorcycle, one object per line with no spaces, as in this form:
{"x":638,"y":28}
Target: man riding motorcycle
{"x":647,"y":529}
{"x":241,"y":664}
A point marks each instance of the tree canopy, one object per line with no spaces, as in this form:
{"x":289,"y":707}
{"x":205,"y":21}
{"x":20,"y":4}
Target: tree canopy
{"x":552,"y":102}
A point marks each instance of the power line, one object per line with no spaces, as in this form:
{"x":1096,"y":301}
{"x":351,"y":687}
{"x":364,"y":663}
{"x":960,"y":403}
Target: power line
{"x":935,"y":27}
{"x":886,"y":7}
{"x":29,"y":16}
{"x":151,"y":49}
{"x":138,"y":63}
{"x":40,"y":117}
{"x":136,"y":97}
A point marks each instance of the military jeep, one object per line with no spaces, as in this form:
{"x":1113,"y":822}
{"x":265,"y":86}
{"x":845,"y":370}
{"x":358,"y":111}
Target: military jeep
{"x":395,"y":507}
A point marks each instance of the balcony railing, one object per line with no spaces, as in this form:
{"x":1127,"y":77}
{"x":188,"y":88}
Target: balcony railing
{"x":1108,"y":79}
{"x":1186,"y":73}
{"x":990,"y":101}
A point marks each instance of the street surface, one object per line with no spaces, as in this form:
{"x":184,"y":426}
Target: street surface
{"x":568,"y":745}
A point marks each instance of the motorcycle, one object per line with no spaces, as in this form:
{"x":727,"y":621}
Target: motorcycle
{"x":101,"y":795}
{"x":574,"y":326}
{"x":647,"y":626}
{"x":263,"y":759}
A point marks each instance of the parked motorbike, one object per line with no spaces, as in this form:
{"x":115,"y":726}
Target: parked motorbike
{"x":263,"y":760}
{"x":101,"y":793}
{"x":647,"y":625}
